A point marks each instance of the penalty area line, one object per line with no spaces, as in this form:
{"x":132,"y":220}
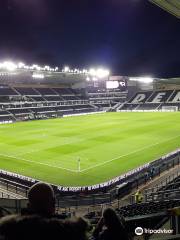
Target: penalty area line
{"x":40,"y":163}
{"x":125,"y":155}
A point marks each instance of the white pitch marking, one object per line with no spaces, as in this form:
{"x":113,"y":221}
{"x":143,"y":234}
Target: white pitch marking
{"x":125,"y":155}
{"x":21,"y":154}
{"x":40,"y":163}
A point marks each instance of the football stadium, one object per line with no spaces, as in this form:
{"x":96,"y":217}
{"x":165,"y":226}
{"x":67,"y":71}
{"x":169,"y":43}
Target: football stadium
{"x":89,"y":154}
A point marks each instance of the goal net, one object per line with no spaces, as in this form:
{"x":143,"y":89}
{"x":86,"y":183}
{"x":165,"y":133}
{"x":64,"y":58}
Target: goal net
{"x":170,"y":108}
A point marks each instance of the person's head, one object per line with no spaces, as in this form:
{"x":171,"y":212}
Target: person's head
{"x":41,"y":199}
{"x":111,"y":219}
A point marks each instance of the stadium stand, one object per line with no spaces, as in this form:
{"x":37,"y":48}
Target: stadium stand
{"x":153,"y":100}
{"x":27,"y":91}
{"x":24,"y":103}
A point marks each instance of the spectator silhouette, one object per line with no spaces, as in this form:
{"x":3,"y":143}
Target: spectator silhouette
{"x":37,"y":228}
{"x":78,"y":227}
{"x":110,"y":227}
{"x":41,"y":200}
{"x":33,"y":227}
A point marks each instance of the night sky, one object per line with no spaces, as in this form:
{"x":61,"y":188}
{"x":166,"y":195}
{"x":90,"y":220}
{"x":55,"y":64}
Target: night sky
{"x":130,"y":37}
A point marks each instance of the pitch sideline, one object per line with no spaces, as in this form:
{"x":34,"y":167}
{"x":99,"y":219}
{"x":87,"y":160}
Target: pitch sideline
{"x":89,"y":168}
{"x":125,"y":155}
{"x":40,"y":163}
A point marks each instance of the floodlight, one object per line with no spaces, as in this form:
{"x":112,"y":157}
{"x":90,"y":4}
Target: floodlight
{"x":46,"y":68}
{"x":66,"y":69}
{"x":35,"y":66}
{"x":99,"y":73}
{"x":102,"y":73}
{"x":92,"y":72}
{"x":142,"y":79}
{"x":87,"y":79}
{"x":10,"y":66}
{"x":21,"y":65}
{"x":147,"y":79}
{"x":26,"y":67}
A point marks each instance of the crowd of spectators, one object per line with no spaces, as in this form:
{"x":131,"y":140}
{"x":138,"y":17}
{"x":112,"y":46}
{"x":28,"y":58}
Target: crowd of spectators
{"x":39,"y":221}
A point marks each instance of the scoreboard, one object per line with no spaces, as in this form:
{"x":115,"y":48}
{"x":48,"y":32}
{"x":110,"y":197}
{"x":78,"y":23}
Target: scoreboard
{"x":117,"y":82}
{"x":114,"y":82}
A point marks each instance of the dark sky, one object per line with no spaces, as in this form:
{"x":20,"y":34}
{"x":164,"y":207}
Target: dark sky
{"x":131,"y":37}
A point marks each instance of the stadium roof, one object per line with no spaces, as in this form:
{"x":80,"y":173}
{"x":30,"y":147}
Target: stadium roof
{"x":169,"y":81}
{"x":172,"y":6}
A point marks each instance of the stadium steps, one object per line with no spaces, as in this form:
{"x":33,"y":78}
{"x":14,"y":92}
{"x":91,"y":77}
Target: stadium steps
{"x":121,"y":106}
{"x":171,"y":95}
{"x":116,"y":106}
{"x":94,"y":106}
{"x":12,"y":115}
{"x":54,"y":92}
{"x":15,"y":91}
{"x":136,"y":108}
{"x":38,"y":93}
{"x":147,"y":101}
{"x":159,"y":106}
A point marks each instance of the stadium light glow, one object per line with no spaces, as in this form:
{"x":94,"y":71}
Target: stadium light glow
{"x":92,"y":72}
{"x":36,"y":67}
{"x":9,"y":66}
{"x":85,"y":71}
{"x":46,"y":68}
{"x":66,"y":69}
{"x":21,"y":65}
{"x":38,"y":76}
{"x":142,"y":79}
{"x":99,"y":73}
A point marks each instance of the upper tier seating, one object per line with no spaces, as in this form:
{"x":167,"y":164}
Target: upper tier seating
{"x":63,"y":91}
{"x":53,"y":98}
{"x":38,"y":99}
{"x":19,"y":111}
{"x":42,"y":109}
{"x":70,"y":97}
{"x":27,"y":91}
{"x":29,"y":102}
{"x":7,"y":91}
{"x":46,"y":91}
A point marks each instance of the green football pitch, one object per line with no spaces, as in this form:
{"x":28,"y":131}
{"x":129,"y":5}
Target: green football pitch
{"x":107,"y":145}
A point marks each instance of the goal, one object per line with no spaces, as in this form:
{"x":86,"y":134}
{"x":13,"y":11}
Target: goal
{"x":170,"y":108}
